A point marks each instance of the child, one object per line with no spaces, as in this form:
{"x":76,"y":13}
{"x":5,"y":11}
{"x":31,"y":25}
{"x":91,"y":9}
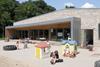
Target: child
{"x":25,"y":45}
{"x":53,"y":58}
{"x":56,"y":54}
{"x":66,"y":52}
{"x":17,"y":45}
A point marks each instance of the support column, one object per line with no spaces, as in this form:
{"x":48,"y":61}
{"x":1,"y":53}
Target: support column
{"x":38,"y":33}
{"x":28,"y":33}
{"x":63,"y":33}
{"x":43,"y":32}
{"x":23,"y":34}
{"x":56,"y":34}
{"x":49,"y":34}
{"x":83,"y":38}
{"x":72,"y":30}
{"x":20,"y":34}
{"x":33,"y":34}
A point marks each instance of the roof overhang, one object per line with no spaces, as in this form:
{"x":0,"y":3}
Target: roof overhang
{"x":53,"y":21}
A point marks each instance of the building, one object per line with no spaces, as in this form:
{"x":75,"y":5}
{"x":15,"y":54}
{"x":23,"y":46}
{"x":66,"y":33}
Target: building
{"x":81,"y":24}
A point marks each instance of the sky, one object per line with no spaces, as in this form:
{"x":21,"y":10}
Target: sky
{"x":59,"y":4}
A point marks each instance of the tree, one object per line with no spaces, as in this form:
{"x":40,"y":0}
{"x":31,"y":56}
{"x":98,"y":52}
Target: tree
{"x":12,"y":10}
{"x":32,"y":8}
{"x":6,"y":12}
{"x":69,"y":6}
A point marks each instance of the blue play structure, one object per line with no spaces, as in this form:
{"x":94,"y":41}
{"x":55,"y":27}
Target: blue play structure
{"x":69,"y":47}
{"x":71,"y":42}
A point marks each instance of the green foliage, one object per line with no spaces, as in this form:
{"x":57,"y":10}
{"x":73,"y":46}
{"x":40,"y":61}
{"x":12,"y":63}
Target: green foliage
{"x":12,"y":10}
{"x":32,"y":8}
{"x":69,"y":6}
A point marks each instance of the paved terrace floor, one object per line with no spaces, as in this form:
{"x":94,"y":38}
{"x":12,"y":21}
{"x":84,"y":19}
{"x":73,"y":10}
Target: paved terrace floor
{"x":27,"y":57}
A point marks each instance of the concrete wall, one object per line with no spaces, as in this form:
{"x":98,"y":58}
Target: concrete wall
{"x":76,"y":29}
{"x":90,"y":18}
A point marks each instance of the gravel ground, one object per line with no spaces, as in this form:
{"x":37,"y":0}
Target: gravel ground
{"x":26,"y":57}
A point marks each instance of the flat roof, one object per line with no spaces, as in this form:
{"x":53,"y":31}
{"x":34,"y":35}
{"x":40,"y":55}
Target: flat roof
{"x":53,"y":21}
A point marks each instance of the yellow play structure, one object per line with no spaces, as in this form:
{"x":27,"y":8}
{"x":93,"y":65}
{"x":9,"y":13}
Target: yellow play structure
{"x":42,"y":50}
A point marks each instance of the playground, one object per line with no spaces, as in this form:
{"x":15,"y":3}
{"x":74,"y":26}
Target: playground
{"x":26,"y":57}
